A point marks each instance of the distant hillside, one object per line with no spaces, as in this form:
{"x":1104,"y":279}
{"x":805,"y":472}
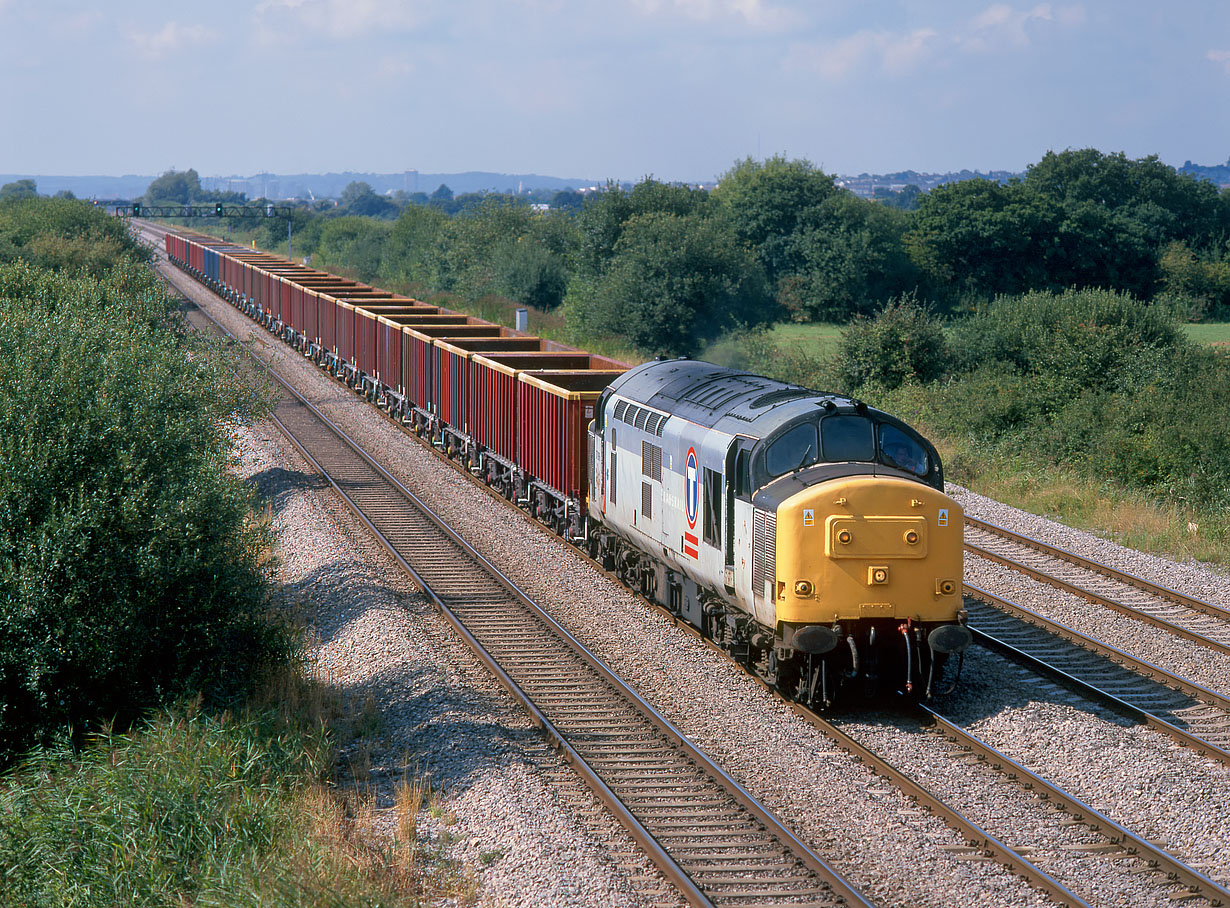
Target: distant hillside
{"x":90,"y":187}
{"x":304,"y":185}
{"x":330,"y":185}
{"x":868,"y":185}
{"x":1217,"y":173}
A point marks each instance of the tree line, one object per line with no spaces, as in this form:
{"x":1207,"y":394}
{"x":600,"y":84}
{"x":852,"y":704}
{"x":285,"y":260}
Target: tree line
{"x":667,"y":268}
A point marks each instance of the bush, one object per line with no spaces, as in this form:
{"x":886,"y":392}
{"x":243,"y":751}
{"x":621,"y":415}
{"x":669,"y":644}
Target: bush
{"x":904,"y":342}
{"x":128,"y":573}
{"x":1077,"y":340}
{"x":64,"y":235}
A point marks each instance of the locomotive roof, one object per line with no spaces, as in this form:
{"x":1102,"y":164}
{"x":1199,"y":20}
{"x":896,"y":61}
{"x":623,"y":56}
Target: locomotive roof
{"x":739,"y":403}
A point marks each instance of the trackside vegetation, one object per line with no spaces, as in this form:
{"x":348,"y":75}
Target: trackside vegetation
{"x":159,"y":744}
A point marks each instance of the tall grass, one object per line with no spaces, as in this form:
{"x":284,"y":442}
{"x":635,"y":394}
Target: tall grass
{"x":225,"y":809}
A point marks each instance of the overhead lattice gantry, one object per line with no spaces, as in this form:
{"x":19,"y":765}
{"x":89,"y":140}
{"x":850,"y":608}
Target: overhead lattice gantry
{"x":216,"y":210}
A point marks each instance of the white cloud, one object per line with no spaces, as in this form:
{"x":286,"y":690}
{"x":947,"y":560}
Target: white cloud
{"x":998,"y":27}
{"x":1001,"y":25}
{"x":342,"y":18}
{"x":1220,"y":57}
{"x":171,"y":38}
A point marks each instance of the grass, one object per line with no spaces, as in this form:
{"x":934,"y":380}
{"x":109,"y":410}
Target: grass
{"x":1208,"y":332}
{"x":1129,"y":517}
{"x":819,"y":341}
{"x":231,"y":810}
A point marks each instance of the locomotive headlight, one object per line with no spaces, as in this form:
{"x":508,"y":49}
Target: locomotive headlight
{"x":845,"y":537}
{"x":911,"y":537}
{"x":803,"y":588}
{"x":945,"y":587}
{"x":877,"y":575}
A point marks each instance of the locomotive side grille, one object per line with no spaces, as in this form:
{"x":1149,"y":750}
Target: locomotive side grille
{"x":764,"y":551}
{"x":647,"y":501}
{"x":651,"y":461}
{"x":620,"y":409}
{"x":641,"y":415}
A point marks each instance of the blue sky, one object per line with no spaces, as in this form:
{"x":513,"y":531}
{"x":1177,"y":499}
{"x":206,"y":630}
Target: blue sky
{"x":678,"y":89}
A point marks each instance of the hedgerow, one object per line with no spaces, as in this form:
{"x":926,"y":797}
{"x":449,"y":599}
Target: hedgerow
{"x":129,"y":574}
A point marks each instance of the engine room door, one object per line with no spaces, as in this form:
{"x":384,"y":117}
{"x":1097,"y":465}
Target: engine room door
{"x":728,"y":474}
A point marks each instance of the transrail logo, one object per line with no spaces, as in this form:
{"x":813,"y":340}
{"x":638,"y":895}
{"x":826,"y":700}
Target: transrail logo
{"x":691,"y":488}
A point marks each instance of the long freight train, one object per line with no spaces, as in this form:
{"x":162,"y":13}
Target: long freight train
{"x":807,"y":534}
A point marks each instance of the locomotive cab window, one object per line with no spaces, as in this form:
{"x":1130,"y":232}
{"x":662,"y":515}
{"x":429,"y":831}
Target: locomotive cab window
{"x":600,"y":411}
{"x":847,"y":438}
{"x":899,"y":450}
{"x":794,"y":449}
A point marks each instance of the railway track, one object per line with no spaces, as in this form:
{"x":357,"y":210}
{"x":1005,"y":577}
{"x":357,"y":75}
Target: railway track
{"x":1191,"y":714}
{"x":1175,"y":613}
{"x":707,"y":834}
{"x":1116,"y":838}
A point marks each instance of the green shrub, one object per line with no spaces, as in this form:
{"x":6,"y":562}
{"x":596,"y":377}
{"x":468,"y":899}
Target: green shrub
{"x":1077,"y":339}
{"x":64,"y":235}
{"x":903,"y":342}
{"x":128,"y":573}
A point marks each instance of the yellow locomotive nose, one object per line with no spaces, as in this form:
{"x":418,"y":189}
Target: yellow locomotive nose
{"x":872,"y":547}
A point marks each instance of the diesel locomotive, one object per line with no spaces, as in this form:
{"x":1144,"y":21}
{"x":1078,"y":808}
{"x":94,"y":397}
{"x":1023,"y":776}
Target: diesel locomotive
{"x":807,"y":534}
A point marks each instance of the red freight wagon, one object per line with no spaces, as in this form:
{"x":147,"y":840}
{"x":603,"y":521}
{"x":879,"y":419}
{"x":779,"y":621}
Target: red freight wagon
{"x":273,"y":288}
{"x":553,"y":411}
{"x":394,"y":345}
{"x":367,"y":335}
{"x":492,"y":393}
{"x":311,"y":312}
{"x":345,"y":331}
{"x":450,"y":368}
{"x":417,"y":354}
{"x":326,"y":320}
{"x":450,"y":360}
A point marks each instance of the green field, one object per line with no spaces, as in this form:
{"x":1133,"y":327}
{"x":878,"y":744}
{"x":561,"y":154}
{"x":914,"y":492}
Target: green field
{"x":1209,"y":332}
{"x":819,"y":340}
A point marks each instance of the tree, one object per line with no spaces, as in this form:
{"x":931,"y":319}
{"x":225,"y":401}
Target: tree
{"x":355,"y":244}
{"x":604,"y":214}
{"x":442,"y":194}
{"x":567,"y":200}
{"x":173,"y":187}
{"x":408,"y":251}
{"x":18,"y":189}
{"x":850,"y":259}
{"x":981,"y":237}
{"x":129,"y":573}
{"x":359,"y":199}
{"x":768,"y":201}
{"x":903,"y":342}
{"x":673,"y":281}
